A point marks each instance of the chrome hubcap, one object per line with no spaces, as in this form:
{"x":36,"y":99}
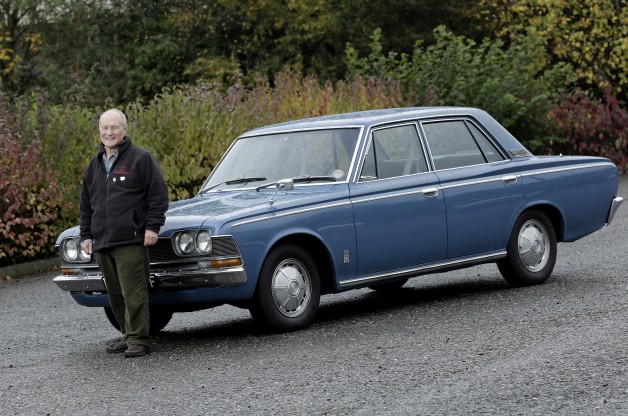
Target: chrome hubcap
{"x":533,"y":246}
{"x":291,"y":288}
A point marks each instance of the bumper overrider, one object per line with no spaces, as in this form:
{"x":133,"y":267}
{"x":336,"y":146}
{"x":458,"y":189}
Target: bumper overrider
{"x":223,"y":267}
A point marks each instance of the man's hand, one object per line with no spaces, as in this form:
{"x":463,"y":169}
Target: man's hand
{"x":87,"y":246}
{"x":150,"y":238}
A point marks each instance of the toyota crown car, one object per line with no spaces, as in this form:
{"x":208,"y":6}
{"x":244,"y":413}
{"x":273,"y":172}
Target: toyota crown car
{"x":324,"y":205}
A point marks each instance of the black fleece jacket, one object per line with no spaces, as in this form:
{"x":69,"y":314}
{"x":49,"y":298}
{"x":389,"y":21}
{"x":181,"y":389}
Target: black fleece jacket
{"x":117,"y":208}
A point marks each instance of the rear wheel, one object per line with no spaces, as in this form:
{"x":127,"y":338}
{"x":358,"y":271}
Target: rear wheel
{"x":531,"y":250}
{"x":288,"y":290}
{"x":159,"y":318}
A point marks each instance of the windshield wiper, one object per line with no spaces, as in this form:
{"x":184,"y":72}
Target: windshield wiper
{"x":308,"y":178}
{"x":234,"y":182}
{"x":298,"y":179}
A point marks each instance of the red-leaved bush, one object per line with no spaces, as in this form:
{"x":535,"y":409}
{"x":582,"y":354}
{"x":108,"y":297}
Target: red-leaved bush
{"x":591,"y":127}
{"x":30,"y":197}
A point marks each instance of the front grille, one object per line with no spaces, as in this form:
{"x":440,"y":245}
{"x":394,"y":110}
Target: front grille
{"x":222,"y":246}
{"x":162,"y":252}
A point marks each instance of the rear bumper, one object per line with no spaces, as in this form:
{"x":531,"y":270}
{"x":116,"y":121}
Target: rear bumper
{"x":617,"y":201}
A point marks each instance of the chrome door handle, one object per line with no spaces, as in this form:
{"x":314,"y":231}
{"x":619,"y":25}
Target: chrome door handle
{"x":509,"y":179}
{"x":430,"y":192}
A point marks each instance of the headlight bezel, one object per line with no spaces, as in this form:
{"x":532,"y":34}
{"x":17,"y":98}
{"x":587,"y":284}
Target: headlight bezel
{"x":71,"y":251}
{"x":191,"y":243}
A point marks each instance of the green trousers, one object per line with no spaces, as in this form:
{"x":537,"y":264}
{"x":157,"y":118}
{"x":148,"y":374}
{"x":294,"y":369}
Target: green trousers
{"x":126,"y":276}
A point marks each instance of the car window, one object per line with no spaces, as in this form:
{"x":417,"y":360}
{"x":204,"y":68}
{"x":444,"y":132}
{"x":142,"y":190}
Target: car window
{"x":490,"y":152}
{"x":452,"y":145}
{"x":273,"y":157}
{"x":394,"y":151}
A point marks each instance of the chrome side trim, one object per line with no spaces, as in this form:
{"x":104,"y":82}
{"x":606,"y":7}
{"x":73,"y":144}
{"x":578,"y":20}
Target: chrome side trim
{"x":395,"y":195}
{"x":468,"y":183}
{"x":288,"y":213}
{"x":614,"y":207}
{"x":416,"y":271}
{"x":568,"y":168}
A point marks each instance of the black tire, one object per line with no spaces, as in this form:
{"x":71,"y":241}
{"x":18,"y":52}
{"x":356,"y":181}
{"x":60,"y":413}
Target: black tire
{"x":389,"y":286}
{"x":531,"y":250}
{"x":159,"y":318}
{"x":288,"y":290}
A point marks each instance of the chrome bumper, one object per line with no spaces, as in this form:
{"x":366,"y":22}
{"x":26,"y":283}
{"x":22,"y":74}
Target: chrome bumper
{"x":200,"y":278}
{"x":180,"y":278}
{"x":614,"y":206}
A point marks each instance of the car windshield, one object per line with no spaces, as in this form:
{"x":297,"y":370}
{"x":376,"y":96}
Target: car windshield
{"x":317,"y":154}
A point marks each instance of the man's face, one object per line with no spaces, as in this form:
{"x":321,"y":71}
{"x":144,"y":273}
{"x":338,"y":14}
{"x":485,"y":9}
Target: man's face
{"x":111,"y":131}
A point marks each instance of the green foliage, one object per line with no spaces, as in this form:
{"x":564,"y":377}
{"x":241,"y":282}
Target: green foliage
{"x":590,"y":35}
{"x":93,"y":52}
{"x":586,"y":126}
{"x":506,"y":82}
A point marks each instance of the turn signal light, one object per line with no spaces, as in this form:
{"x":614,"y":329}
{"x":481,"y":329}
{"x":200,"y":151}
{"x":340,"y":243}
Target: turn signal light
{"x":219,"y":264}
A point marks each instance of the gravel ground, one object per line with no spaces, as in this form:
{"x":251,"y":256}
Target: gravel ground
{"x":458,"y":343}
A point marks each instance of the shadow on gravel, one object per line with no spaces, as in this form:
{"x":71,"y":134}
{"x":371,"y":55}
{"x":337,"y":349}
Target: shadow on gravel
{"x":336,"y":310}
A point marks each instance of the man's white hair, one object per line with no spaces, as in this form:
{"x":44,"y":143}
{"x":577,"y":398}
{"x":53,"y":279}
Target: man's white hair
{"x":118,"y":112}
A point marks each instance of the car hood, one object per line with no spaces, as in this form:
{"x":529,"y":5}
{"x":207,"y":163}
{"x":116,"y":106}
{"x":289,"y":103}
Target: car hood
{"x":214,"y":209}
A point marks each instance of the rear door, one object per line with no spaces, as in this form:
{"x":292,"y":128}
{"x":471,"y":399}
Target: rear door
{"x":480,"y":188}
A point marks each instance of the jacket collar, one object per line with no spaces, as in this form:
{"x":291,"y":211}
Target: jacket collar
{"x":122,"y":147}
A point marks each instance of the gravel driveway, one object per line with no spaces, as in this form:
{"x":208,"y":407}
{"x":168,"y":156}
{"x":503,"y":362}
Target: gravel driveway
{"x":458,"y":343}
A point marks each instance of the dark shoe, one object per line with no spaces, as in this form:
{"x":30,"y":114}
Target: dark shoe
{"x":116,"y":347}
{"x":136,"y":350}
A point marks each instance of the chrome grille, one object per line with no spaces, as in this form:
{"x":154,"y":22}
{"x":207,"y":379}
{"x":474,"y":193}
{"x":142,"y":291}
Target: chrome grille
{"x":162,"y":252}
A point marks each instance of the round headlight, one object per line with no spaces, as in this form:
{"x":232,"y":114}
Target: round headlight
{"x":204,"y":241}
{"x":71,"y":249}
{"x":83,"y":254}
{"x":185,"y":243}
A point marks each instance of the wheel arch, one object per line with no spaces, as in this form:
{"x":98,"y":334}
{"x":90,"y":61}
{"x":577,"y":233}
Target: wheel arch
{"x":554,"y":215}
{"x":319,"y":253}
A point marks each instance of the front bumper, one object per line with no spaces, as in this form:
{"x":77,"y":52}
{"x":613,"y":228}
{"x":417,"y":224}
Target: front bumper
{"x":161,"y":279}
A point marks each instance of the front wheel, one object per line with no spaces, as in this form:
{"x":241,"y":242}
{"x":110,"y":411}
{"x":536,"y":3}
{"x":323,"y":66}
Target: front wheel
{"x":531,"y":251}
{"x":288,"y":290}
{"x":159,"y":318}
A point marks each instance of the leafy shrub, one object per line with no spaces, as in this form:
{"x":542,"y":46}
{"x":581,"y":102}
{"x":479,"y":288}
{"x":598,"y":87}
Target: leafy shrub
{"x":189,"y":128}
{"x":510,"y":83}
{"x":31,"y":196}
{"x":584,"y":126}
{"x":68,"y":137}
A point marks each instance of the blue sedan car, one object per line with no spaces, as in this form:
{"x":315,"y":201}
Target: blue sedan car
{"x":369,"y":199}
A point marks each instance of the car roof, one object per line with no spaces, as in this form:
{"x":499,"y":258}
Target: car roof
{"x":364,"y":118}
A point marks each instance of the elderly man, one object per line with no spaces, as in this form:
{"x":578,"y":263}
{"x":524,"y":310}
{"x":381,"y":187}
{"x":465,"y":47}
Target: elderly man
{"x":123,"y":203}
